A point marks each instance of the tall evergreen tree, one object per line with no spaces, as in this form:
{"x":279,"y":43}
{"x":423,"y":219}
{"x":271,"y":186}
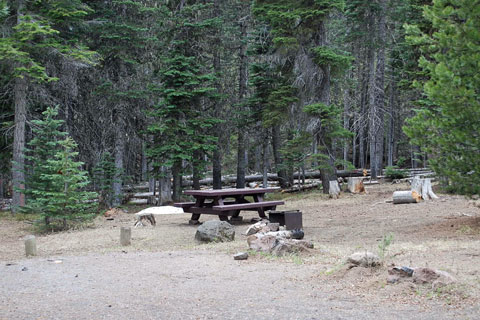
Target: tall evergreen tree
{"x":448,"y":127}
{"x":182,"y":127}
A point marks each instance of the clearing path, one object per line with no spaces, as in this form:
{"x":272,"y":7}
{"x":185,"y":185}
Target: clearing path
{"x":165,"y":274}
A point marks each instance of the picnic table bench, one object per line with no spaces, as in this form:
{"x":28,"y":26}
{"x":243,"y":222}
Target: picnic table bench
{"x":227,"y":202}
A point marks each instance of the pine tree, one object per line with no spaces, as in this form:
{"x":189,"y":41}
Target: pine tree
{"x":36,"y":31}
{"x":56,"y":187}
{"x":448,"y":127}
{"x":182,"y":129}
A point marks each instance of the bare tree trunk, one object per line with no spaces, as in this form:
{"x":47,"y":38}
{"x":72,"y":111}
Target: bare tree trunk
{"x":165,"y":190}
{"x":265,"y":161}
{"x":391,"y":126}
{"x":144,"y":162}
{"x":282,"y":176}
{"x":119,"y":161}
{"x":18,"y":167}
{"x":242,"y":91}
{"x":241,"y":160}
{"x":217,"y":153}
{"x":177,"y":180}
{"x":197,"y":158}
{"x":377,"y":96}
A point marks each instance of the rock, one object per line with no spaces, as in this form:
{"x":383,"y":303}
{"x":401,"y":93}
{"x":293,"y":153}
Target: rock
{"x":215,"y":231}
{"x":273,"y":226}
{"x":262,"y":243}
{"x":260,"y":226}
{"x":287,"y":246}
{"x":436,"y":277}
{"x":241,"y":256}
{"x":395,"y":274}
{"x":364,"y":259}
{"x":277,"y":245}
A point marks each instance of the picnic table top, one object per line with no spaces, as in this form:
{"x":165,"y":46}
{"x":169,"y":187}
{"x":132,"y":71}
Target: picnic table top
{"x":229,"y":192}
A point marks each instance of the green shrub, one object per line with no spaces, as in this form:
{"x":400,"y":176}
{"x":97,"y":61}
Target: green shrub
{"x":395,"y":173}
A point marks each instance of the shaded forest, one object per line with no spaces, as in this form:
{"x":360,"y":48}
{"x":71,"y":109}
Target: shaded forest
{"x":164,"y":90}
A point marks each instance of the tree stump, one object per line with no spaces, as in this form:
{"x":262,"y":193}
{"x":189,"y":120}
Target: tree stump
{"x":355,"y":185}
{"x":334,"y":189}
{"x":30,"y":246}
{"x":406,"y":197}
{"x":424,"y":188}
{"x":125,"y":236}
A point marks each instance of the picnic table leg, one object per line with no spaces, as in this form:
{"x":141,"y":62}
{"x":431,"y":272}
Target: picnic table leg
{"x":196,"y":216}
{"x":259,"y":198}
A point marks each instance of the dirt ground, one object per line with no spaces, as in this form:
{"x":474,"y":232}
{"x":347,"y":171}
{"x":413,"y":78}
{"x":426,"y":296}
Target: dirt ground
{"x":166,"y":274}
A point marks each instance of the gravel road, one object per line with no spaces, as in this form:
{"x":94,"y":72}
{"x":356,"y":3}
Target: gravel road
{"x":196,"y":284}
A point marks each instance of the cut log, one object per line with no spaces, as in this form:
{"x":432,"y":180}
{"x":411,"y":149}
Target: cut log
{"x":355,"y":185}
{"x":423,"y":186}
{"x":406,"y":197}
{"x":334,"y":189}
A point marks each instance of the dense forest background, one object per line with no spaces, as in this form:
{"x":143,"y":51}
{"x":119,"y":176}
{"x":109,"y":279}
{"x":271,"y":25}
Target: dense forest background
{"x":165,"y":89}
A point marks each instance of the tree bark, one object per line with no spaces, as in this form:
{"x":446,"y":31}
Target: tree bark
{"x":18,"y":167}
{"x":242,"y":92}
{"x":165,"y":190}
{"x":282,"y":176}
{"x":217,"y":153}
{"x":377,"y":99}
{"x":177,"y":180}
{"x":119,"y":161}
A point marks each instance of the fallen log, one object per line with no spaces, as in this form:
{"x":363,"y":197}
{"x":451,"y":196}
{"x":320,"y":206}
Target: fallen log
{"x":410,"y":196}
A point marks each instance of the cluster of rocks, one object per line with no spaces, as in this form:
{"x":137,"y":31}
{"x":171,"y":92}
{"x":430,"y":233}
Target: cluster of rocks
{"x":436,"y":278}
{"x":268,"y":237}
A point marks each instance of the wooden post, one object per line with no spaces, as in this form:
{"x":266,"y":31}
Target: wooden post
{"x":30,"y":246}
{"x":125,"y":236}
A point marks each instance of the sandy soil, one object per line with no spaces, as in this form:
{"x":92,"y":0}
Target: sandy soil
{"x":166,"y":274}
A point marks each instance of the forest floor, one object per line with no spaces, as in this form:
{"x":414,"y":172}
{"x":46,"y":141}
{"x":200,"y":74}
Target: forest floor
{"x":86,"y":274}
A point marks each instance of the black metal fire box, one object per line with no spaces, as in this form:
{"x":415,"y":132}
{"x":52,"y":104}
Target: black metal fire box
{"x":290,"y":219}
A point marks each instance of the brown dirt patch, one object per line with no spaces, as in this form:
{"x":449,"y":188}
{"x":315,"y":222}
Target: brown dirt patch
{"x":442,"y":234}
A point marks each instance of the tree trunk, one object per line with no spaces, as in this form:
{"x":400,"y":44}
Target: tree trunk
{"x":197,"y":158}
{"x":165,"y":190}
{"x":241,"y":161}
{"x":265,"y":162}
{"x":119,"y":161}
{"x":377,"y":99}
{"x":282,"y":176}
{"x":391,"y":125}
{"x":242,"y":91}
{"x":217,"y":153}
{"x":177,"y":180}
{"x":18,"y":167}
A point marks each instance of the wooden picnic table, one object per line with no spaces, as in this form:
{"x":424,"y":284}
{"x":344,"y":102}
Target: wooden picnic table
{"x":227,"y":202}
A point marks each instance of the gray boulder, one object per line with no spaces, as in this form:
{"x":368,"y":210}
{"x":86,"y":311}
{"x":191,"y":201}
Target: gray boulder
{"x":215,"y":231}
{"x":437,"y":278}
{"x":364,"y":259}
